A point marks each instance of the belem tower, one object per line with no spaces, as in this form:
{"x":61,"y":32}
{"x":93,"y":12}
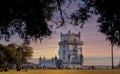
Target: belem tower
{"x":69,"y":53}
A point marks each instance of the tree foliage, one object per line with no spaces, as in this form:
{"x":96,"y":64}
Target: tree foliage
{"x":27,"y":18}
{"x":12,"y":54}
{"x":108,"y":13}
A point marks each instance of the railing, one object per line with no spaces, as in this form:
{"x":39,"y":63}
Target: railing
{"x":74,"y":43}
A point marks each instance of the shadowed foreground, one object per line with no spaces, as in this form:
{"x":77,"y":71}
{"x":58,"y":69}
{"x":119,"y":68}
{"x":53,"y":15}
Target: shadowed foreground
{"x":64,"y":72}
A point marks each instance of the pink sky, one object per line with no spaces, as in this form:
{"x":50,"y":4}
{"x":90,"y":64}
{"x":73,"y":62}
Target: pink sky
{"x":95,"y":44}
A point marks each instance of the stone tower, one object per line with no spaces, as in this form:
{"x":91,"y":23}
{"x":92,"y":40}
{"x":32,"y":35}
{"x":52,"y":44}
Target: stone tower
{"x":70,"y":50}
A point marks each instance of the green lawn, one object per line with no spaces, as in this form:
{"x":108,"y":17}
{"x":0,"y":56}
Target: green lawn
{"x":38,"y":71}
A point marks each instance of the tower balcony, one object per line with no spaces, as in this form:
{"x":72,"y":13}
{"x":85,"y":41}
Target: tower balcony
{"x":63,"y":42}
{"x":73,"y":53}
{"x":76,"y":43}
{"x":73,"y":43}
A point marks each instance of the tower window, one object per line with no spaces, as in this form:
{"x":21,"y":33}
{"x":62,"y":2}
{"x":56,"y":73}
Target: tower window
{"x":63,"y":46}
{"x":64,"y":52}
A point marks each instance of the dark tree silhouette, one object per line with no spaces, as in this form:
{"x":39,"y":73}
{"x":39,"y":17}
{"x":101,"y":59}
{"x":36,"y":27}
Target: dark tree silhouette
{"x":108,"y":13}
{"x":27,"y":18}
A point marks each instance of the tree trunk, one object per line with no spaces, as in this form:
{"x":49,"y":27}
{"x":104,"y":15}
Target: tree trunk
{"x":112,"y":56}
{"x":18,"y":67}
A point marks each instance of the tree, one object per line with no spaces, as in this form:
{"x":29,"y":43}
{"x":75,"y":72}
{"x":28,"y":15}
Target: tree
{"x":12,"y":54}
{"x":27,"y":18}
{"x":108,"y":16}
{"x":7,"y":56}
{"x":18,"y":62}
{"x":2,"y":57}
{"x":24,"y":52}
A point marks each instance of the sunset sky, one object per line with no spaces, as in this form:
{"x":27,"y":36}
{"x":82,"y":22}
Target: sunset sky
{"x":96,"y":49}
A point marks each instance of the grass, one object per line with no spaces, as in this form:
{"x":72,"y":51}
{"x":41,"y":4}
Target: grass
{"x":38,"y":71}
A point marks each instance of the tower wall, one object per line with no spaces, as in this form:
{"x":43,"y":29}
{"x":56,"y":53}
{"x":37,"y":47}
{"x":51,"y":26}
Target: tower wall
{"x":70,"y":49}
{"x":64,"y":48}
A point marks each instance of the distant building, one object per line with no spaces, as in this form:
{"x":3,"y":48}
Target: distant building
{"x":47,"y":63}
{"x":70,"y":50}
{"x":70,"y":53}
